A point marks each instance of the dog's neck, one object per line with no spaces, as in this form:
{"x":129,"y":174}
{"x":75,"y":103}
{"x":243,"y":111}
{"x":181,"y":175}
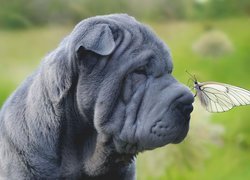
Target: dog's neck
{"x":104,"y":158}
{"x":101,"y":154}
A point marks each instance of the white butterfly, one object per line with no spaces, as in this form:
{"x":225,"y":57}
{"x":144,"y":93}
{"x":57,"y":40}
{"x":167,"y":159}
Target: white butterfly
{"x":220,"y":97}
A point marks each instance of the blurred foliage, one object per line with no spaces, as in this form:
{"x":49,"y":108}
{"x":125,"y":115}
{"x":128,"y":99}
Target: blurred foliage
{"x":213,"y":43}
{"x":25,"y":13}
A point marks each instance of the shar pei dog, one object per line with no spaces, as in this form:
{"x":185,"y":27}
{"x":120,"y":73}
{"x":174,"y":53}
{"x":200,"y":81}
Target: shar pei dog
{"x":102,"y":96}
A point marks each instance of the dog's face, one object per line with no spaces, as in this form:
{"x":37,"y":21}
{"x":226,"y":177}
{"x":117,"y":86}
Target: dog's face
{"x":125,"y":88}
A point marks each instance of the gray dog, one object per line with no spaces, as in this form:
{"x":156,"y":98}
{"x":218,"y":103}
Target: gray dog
{"x":103,"y":95}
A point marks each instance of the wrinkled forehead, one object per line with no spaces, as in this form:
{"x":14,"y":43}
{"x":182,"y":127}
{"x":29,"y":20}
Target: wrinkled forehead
{"x":162,"y":51}
{"x":142,"y":33}
{"x":149,"y":38}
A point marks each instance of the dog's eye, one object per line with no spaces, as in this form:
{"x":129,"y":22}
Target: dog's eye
{"x":141,"y":70}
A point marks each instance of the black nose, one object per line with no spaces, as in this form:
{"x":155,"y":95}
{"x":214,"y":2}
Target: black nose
{"x":184,"y":104}
{"x":187,"y":109}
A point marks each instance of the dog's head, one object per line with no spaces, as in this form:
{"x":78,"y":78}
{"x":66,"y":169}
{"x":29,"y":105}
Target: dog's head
{"x":125,"y":88}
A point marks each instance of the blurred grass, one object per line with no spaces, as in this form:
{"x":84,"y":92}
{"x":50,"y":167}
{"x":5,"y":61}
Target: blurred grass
{"x":22,"y":50}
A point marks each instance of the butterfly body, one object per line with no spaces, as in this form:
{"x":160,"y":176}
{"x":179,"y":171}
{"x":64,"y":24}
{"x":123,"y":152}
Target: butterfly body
{"x":220,"y":97}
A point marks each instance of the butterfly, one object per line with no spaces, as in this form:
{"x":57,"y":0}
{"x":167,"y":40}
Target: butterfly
{"x":220,"y":97}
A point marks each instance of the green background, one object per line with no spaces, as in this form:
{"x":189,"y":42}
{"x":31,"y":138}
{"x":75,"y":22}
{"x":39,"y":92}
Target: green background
{"x":218,"y":145}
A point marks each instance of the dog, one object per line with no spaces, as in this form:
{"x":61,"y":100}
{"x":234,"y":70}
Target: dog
{"x":102,"y":96}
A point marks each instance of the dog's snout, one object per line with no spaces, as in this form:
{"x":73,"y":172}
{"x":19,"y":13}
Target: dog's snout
{"x":186,"y":98}
{"x":185,"y":103}
{"x":187,"y":109}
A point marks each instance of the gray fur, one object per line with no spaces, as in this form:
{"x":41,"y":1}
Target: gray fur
{"x":103,"y":95}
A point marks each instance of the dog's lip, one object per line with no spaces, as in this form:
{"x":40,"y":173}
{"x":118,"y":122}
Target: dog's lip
{"x":185,"y":119}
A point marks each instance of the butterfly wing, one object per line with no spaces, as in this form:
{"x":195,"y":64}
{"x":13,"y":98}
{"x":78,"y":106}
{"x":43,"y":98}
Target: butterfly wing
{"x":219,"y":97}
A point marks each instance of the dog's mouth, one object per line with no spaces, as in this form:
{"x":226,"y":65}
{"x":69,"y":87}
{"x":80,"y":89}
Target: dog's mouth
{"x":161,"y":132}
{"x":183,"y":112}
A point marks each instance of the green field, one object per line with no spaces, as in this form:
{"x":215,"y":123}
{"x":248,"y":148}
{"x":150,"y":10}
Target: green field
{"x":217,"y":146}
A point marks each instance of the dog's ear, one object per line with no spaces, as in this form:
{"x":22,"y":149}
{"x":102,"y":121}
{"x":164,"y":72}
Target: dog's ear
{"x":98,"y":39}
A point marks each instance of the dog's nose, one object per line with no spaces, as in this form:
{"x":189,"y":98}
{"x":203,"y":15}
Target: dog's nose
{"x":187,"y":109}
{"x":186,"y":97}
{"x":185,"y":103}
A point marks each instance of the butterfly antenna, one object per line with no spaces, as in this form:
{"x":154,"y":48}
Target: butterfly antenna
{"x":189,"y":84}
{"x":192,"y":77}
{"x":195,"y":79}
